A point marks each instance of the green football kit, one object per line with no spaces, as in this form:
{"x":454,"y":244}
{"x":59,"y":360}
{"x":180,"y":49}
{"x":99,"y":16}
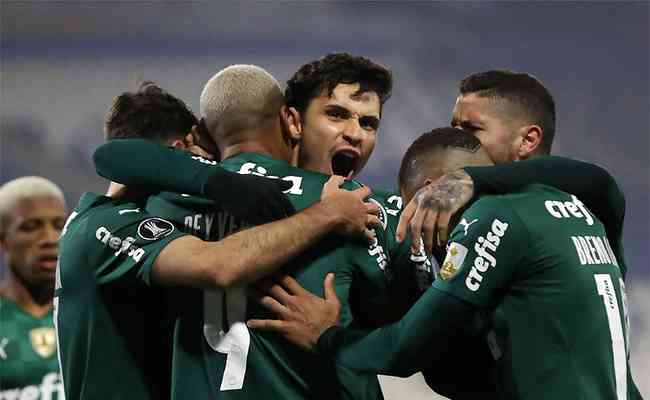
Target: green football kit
{"x":110,"y":323}
{"x":28,"y":363}
{"x":214,"y":352}
{"x":546,"y":292}
{"x":591,"y":183}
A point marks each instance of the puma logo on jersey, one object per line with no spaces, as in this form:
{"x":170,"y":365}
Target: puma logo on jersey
{"x":568,"y":209}
{"x":466,"y":224}
{"x":154,"y":228}
{"x":485,"y":248}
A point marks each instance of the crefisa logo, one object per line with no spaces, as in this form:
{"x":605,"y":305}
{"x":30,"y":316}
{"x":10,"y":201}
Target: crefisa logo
{"x":485,"y":248}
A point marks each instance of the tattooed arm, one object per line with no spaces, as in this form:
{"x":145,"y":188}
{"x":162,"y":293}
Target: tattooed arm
{"x":429,"y":211}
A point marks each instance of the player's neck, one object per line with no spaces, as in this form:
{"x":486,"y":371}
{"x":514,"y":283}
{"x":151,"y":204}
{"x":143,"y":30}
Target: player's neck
{"x":34,"y":300}
{"x":118,"y":191}
{"x":266,"y":148}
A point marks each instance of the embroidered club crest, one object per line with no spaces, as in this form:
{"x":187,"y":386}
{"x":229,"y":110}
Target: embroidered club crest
{"x":43,"y":341}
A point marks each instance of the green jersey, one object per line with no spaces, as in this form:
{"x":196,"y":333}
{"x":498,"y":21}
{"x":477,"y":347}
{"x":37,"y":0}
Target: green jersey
{"x":216,"y":356}
{"x":112,"y":339}
{"x":554,"y":312}
{"x":28,"y":364}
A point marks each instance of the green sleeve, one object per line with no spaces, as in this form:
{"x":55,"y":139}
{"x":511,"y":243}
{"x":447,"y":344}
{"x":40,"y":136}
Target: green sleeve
{"x":591,"y":183}
{"x":407,"y":346}
{"x":484,"y":254}
{"x":122,"y":248}
{"x":140,"y":162}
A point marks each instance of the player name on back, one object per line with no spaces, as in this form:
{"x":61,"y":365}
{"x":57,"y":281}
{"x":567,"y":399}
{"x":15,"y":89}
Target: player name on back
{"x":591,"y":250}
{"x":594,"y":250}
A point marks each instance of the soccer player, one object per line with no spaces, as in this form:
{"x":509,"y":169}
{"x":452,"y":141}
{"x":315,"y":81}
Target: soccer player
{"x":244,"y":110}
{"x":32,"y":214}
{"x":513,"y":115}
{"x":554,"y":314}
{"x":115,"y":258}
{"x":317,"y":117}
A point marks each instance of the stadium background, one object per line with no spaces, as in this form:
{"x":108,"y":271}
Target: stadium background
{"x":62,"y":62}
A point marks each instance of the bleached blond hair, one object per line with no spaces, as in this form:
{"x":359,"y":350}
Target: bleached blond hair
{"x":239,"y":98}
{"x":16,"y":190}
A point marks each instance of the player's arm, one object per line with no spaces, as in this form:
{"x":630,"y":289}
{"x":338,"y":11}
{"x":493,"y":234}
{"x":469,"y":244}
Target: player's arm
{"x":406,"y":274}
{"x":140,"y":162}
{"x":250,"y":254}
{"x":428,"y":214}
{"x":400,"y":349}
{"x":589,"y":182}
{"x":473,"y":277}
{"x":407,"y":346}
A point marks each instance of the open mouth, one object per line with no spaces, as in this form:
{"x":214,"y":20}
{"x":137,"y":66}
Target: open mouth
{"x":344,"y":163}
{"x":49,"y":262}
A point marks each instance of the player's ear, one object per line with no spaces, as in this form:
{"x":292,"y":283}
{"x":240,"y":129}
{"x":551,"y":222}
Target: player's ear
{"x":194,"y":144}
{"x":189,"y":139}
{"x":531,"y":139}
{"x":203,"y":139}
{"x":292,"y":122}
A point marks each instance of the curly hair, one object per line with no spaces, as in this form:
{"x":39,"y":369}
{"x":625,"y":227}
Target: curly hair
{"x":150,"y":113}
{"x":326,"y":73}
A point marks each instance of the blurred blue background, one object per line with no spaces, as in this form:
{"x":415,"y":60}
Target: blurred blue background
{"x":62,"y":62}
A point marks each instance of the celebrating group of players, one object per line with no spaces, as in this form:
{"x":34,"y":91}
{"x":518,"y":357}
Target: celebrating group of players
{"x":200,"y":273}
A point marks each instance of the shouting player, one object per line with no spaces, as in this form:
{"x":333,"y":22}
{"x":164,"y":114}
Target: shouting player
{"x":564,"y":294}
{"x":330,"y":111}
{"x":243,"y":111}
{"x":115,"y":257}
{"x":32,"y":214}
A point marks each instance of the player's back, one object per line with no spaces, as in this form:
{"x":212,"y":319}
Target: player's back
{"x":106,"y":315}
{"x":556,"y":308}
{"x":210,"y":332}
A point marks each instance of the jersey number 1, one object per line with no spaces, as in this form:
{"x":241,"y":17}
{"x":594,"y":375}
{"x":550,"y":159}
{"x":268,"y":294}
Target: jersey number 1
{"x":606,"y":290}
{"x":224,"y":328}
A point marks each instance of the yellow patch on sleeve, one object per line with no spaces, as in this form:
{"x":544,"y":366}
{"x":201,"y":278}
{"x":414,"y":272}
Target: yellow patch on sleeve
{"x":456,"y":254}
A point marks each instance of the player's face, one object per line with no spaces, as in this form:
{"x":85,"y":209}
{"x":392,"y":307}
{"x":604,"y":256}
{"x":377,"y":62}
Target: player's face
{"x":485,"y":118}
{"x":31,"y":239}
{"x":339,"y":131}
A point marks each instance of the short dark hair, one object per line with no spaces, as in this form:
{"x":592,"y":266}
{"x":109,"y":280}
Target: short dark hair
{"x":333,"y":69}
{"x":150,"y":113}
{"x":414,"y":159}
{"x":521,"y":89}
